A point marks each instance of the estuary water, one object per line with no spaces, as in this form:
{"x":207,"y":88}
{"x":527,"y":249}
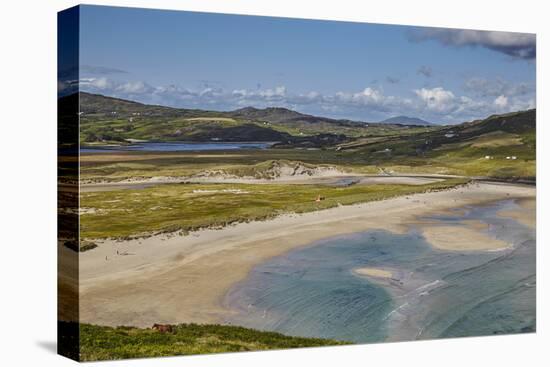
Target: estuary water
{"x":178,"y":147}
{"x":314,"y":292}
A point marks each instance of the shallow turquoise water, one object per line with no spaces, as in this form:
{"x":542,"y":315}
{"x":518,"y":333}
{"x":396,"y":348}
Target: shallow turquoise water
{"x":313,"y":291}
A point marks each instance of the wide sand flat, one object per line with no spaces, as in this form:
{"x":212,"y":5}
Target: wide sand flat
{"x":460,"y":238}
{"x":174,"y":279}
{"x":526,"y":214}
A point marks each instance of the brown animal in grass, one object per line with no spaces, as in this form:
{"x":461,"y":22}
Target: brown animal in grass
{"x":162,"y":328}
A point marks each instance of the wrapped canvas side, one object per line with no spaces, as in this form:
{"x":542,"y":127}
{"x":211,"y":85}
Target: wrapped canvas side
{"x":68,"y":186}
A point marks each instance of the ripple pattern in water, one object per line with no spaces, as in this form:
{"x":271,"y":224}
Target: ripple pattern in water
{"x":313,"y":292}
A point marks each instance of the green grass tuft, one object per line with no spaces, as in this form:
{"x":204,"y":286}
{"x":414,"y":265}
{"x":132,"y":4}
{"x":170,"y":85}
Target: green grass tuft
{"x":105,"y":343}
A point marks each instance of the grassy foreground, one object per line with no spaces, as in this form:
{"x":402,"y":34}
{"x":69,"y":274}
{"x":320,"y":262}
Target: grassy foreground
{"x":102,"y":342}
{"x":188,"y":207}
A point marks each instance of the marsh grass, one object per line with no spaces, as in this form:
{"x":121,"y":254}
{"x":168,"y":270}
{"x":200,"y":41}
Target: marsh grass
{"x":189,"y":207}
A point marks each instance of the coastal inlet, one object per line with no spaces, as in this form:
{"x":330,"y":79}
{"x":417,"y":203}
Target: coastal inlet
{"x":380,"y":286}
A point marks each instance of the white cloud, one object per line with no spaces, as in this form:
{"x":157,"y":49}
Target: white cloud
{"x":520,"y":105}
{"x":136,"y":87}
{"x":366,"y":97}
{"x":97,"y":83}
{"x":437,"y":99}
{"x":501,"y":101}
{"x":436,"y":104}
{"x":275,"y":94}
{"x":369,"y":95}
{"x":369,"y":98}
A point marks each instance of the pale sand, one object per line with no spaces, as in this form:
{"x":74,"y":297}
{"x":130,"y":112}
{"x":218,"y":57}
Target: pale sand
{"x":460,"y":238}
{"x":374,"y":272}
{"x":526,"y":214}
{"x":174,"y":279}
{"x":475,"y":224}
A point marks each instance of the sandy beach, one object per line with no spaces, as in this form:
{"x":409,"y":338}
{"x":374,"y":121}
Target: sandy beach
{"x":175,"y":279}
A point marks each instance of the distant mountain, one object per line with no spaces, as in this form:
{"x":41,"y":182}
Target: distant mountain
{"x":97,"y":104}
{"x":270,"y":114}
{"x":110,"y":119}
{"x":406,"y":120}
{"x":282,"y":115}
{"x":106,"y":119}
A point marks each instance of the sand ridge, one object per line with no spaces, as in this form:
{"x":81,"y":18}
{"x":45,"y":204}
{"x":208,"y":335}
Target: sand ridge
{"x":374,"y":272}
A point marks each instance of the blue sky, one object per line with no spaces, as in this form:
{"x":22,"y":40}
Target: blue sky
{"x":347,"y":70}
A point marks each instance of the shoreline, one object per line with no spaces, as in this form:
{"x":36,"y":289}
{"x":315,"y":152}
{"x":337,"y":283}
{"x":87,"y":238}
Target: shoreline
{"x":173,"y":279}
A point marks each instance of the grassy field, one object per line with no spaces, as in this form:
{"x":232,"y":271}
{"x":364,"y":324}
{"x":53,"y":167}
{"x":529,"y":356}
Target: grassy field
{"x":484,"y":155}
{"x":111,"y":120}
{"x":188,"y":207}
{"x":478,"y":148}
{"x":502,"y":146}
{"x":453,"y":160}
{"x":104,"y":343}
{"x":177,"y":129}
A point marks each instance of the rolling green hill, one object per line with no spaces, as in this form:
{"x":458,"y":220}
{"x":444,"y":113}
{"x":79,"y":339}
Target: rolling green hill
{"x":500,"y":146}
{"x":113,"y":120}
{"x":406,"y":120}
